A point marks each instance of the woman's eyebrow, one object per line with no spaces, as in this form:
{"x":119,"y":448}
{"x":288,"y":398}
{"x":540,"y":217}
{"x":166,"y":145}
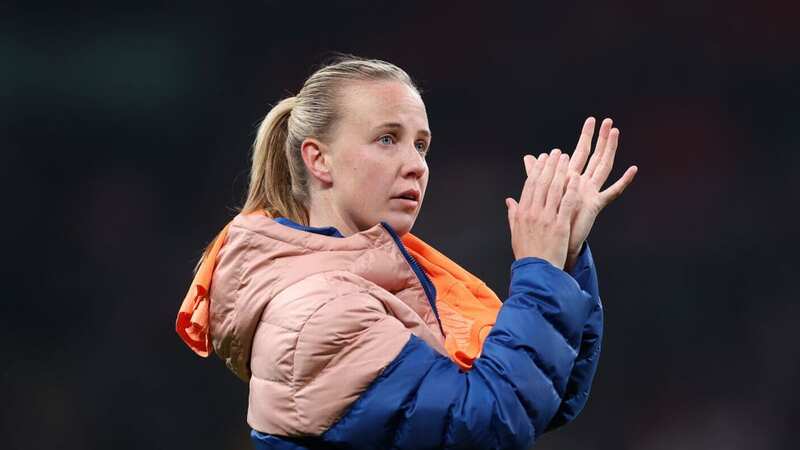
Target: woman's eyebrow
{"x":399,"y":126}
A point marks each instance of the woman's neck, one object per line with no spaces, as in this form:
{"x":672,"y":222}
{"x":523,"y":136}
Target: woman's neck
{"x":321,"y":213}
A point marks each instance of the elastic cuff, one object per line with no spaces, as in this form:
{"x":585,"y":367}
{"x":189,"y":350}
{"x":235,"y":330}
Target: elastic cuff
{"x":522,"y":262}
{"x":584,"y":260}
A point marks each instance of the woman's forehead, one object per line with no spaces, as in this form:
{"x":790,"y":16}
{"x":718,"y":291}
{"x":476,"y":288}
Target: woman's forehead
{"x":373,"y":103}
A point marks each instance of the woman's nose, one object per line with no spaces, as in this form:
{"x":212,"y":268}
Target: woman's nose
{"x":414,"y":163}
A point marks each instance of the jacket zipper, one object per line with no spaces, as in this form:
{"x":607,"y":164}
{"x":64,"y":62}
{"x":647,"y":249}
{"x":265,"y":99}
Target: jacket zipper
{"x":427,"y":285}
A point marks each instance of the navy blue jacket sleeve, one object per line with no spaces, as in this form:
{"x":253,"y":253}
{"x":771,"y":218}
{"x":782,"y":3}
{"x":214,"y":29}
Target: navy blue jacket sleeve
{"x":580,"y":381}
{"x":422,"y":400}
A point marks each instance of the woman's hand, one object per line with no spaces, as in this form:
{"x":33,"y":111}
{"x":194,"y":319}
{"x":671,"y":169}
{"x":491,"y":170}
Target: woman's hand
{"x":590,"y":201}
{"x":540,"y":222}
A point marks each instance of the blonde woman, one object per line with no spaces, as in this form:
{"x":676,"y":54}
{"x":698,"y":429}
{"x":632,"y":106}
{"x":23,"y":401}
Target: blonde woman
{"x":354,"y":333}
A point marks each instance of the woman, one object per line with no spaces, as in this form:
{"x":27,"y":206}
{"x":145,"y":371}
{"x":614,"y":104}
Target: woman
{"x":352,"y":332}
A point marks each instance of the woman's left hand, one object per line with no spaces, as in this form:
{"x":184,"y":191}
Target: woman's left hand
{"x":590,"y":199}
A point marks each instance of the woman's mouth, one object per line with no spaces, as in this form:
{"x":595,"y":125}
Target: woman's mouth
{"x":411,"y":194}
{"x":409,"y":198}
{"x":406,"y":201}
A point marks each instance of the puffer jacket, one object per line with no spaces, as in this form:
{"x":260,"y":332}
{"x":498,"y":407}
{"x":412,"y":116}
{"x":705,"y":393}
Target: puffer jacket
{"x":340,"y":341}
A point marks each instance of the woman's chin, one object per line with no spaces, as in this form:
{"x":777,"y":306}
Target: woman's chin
{"x":403,"y":224}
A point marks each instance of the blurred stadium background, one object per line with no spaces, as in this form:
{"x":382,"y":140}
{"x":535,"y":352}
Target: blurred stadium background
{"x":125,"y":140}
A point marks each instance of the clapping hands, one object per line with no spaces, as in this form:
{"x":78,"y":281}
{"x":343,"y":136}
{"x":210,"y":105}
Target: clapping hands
{"x":586,"y":181}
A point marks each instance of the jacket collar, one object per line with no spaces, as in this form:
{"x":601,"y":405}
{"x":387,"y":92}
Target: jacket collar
{"x":326,"y":231}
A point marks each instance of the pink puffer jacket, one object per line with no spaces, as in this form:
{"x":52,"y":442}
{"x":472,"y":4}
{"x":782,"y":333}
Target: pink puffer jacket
{"x":285,"y":302}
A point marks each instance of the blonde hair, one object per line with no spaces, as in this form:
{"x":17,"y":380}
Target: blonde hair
{"x":279,"y":181}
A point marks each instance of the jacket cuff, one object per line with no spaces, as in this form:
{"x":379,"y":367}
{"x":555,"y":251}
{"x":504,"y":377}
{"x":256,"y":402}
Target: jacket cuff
{"x":584,"y":261}
{"x":529,"y":260}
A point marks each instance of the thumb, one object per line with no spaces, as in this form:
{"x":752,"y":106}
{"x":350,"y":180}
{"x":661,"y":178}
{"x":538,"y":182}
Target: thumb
{"x":569,"y":201}
{"x":511,"y":205}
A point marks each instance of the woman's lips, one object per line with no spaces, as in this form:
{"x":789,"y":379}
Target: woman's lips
{"x":406,"y":202}
{"x":411,"y":194}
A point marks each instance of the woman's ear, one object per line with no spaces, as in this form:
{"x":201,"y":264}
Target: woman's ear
{"x":317,"y":159}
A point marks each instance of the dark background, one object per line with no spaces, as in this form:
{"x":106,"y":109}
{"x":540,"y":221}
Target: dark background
{"x":125,"y":140}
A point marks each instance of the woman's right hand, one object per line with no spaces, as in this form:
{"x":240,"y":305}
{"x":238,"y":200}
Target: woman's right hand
{"x":540,"y":222}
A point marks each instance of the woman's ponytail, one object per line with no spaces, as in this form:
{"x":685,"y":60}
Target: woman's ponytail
{"x":272,"y":187}
{"x":271,"y":182}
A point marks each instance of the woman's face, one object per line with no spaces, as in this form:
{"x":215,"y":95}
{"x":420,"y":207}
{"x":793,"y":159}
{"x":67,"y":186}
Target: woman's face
{"x":377,"y":156}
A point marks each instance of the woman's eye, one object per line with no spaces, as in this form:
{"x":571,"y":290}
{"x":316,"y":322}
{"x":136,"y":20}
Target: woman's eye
{"x":422,"y":147}
{"x":386,"y":140}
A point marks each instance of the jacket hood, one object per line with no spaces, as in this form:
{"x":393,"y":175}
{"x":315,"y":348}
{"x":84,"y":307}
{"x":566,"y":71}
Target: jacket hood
{"x":260,"y":258}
